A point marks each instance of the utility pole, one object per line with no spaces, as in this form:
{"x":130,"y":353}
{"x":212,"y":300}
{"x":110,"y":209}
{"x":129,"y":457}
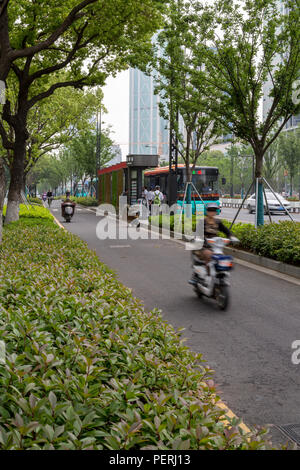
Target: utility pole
{"x":98,"y":150}
{"x":173,"y":146}
{"x":231,"y":176}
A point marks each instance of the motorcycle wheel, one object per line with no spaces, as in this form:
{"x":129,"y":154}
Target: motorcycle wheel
{"x":222,"y":297}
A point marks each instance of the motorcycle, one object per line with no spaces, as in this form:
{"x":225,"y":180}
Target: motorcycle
{"x":68,"y":209}
{"x":216,"y":284}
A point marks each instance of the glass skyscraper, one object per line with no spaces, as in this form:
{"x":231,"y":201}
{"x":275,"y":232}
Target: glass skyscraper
{"x":148,"y":131}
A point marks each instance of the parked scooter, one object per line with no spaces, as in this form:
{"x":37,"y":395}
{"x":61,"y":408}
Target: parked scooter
{"x":216,"y":284}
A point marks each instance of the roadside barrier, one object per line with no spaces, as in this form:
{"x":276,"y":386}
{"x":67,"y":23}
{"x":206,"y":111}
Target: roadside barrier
{"x":237,"y":203}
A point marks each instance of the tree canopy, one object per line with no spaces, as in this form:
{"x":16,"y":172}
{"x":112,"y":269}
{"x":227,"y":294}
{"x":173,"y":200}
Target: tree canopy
{"x":88,"y":40}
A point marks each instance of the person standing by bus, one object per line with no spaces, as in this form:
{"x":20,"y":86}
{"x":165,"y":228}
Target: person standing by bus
{"x":145,"y":196}
{"x":158,"y":196}
{"x":150,"y":199}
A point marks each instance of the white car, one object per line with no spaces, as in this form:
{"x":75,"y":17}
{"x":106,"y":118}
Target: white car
{"x":273,"y":203}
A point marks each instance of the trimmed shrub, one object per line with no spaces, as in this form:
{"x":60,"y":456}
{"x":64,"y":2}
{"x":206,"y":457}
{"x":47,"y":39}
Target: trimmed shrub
{"x":35,"y":200}
{"x":34,"y":212}
{"x":86,"y":366}
{"x":84,"y":201}
{"x":87,"y":201}
{"x":280,"y":241}
{"x":166,"y":221}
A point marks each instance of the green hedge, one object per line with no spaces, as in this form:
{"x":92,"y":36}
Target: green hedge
{"x":166,"y":221}
{"x":280,"y":241}
{"x":84,"y":201}
{"x":35,"y":200}
{"x":32,"y":212}
{"x":86,"y":366}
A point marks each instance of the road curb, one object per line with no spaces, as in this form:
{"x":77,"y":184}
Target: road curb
{"x":57,"y":222}
{"x":264,"y":262}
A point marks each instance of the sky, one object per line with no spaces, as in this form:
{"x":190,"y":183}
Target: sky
{"x":116,"y":101}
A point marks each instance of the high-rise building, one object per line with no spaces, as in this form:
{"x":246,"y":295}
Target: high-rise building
{"x":148,"y":131}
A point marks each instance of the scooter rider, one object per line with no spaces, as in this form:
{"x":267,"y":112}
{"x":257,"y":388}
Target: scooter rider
{"x":67,"y":201}
{"x":212,"y":226}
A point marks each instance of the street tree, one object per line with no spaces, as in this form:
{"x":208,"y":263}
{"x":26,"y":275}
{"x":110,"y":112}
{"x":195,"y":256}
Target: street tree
{"x":241,"y":163}
{"x":185,"y":96}
{"x":272,"y":163}
{"x":75,"y":162}
{"x":289,"y":152}
{"x":87,"y":39}
{"x":82,"y":150}
{"x":249,"y":43}
{"x":48,"y":130}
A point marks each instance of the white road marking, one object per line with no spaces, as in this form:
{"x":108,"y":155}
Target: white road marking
{"x":120,"y":246}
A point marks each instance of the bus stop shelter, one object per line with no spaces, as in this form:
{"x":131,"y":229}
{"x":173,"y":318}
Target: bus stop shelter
{"x":124,"y":177}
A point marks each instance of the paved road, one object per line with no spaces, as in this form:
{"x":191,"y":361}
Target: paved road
{"x":244,"y":216}
{"x":249,"y":346}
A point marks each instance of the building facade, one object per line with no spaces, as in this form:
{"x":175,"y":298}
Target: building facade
{"x":148,"y":131}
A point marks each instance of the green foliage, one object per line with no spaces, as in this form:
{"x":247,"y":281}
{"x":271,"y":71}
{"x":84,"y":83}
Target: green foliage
{"x":83,"y":201}
{"x":246,"y":39}
{"x":33,"y":212}
{"x":289,"y":152}
{"x":50,"y":45}
{"x":280,"y":241}
{"x":35,"y":200}
{"x":166,"y":221}
{"x":182,"y":83}
{"x":76,"y":161}
{"x":249,"y":44}
{"x":86,"y":367}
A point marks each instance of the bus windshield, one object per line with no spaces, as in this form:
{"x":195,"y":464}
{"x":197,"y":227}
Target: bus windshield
{"x":205,"y":180}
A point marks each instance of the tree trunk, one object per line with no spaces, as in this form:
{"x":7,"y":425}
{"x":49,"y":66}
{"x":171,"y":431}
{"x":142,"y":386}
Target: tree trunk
{"x":16,"y":179}
{"x":2,"y":193}
{"x":259,"y":214}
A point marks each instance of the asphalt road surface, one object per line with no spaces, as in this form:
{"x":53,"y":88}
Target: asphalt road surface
{"x":244,"y":216}
{"x":249,"y":346}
